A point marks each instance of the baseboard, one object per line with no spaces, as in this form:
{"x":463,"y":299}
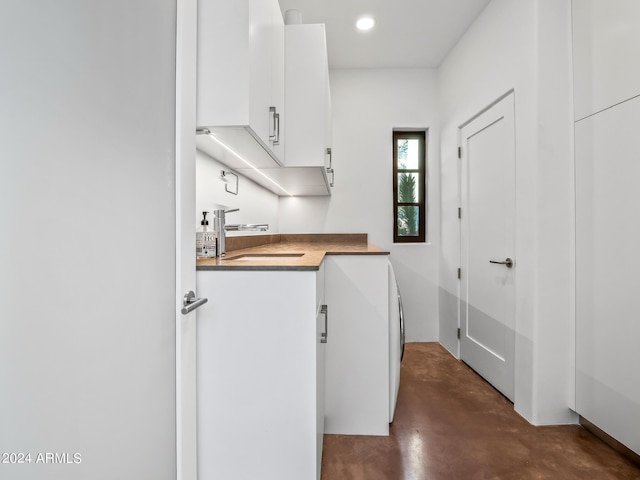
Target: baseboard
{"x":609,"y":440}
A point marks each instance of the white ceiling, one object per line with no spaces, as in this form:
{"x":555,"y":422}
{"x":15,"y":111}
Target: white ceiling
{"x":408,"y":33}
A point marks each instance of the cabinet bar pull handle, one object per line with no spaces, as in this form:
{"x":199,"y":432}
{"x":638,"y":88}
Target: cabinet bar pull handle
{"x":333,"y":176}
{"x":275,"y":138}
{"x":324,"y":335}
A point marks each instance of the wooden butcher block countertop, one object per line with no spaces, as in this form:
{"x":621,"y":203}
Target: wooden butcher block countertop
{"x":287,"y":251}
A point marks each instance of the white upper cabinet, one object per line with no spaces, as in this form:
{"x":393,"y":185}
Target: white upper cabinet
{"x":240,"y":83}
{"x":606,"y":48}
{"x":308,"y":98}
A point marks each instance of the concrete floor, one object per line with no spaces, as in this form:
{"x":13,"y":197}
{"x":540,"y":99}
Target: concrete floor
{"x":450,"y":424}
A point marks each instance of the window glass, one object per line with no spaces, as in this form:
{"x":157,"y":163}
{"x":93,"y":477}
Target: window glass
{"x":408,"y":153}
{"x":408,"y":187}
{"x":408,"y":222}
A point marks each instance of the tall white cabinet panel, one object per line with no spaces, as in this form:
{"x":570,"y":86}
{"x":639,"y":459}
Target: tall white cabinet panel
{"x":240,"y":84}
{"x":607,"y":266}
{"x":308,"y":98}
{"x":606,"y":51}
{"x":357,"y":363}
{"x":260,"y":375}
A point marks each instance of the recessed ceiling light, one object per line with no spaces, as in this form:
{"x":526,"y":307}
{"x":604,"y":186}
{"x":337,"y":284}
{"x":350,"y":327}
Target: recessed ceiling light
{"x":365,"y":23}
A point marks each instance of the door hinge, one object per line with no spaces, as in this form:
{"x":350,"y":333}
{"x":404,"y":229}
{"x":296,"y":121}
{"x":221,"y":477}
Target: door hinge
{"x":458,"y":332}
{"x":459,"y":273}
{"x":459,"y":152}
{"x":459,"y":212}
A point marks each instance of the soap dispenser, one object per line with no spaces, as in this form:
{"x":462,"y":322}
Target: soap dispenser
{"x":205,"y":239}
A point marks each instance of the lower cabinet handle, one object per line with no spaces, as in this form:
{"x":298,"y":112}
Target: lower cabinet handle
{"x":325,"y":311}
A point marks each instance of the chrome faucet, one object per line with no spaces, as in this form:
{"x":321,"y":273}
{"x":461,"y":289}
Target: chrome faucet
{"x":220,"y":226}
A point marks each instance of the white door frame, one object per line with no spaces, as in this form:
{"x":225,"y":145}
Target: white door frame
{"x":186,"y":43}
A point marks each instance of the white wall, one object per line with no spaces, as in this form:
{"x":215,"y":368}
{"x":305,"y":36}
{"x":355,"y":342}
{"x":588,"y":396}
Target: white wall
{"x":88,"y":244}
{"x":522,"y":45}
{"x":256,"y":204}
{"x":367,"y":106}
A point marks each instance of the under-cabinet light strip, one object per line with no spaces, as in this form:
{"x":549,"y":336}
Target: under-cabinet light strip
{"x":232,"y":151}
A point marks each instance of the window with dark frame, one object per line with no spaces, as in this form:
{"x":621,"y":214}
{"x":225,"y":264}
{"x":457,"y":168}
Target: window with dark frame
{"x":409,"y":186}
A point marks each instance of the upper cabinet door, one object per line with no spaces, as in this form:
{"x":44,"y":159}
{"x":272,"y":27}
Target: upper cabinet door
{"x":308,"y":98}
{"x":606,"y":48}
{"x":241,"y":72}
{"x":277,"y":68}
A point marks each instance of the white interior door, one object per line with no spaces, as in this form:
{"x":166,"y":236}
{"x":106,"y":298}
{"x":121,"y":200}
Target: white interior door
{"x":186,"y":435}
{"x":88,"y":245}
{"x":487,"y":310}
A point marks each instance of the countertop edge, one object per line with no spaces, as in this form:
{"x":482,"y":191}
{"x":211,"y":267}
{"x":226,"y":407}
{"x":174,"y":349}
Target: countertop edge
{"x":317,"y":250}
{"x":358,"y":253}
{"x":258,"y":268}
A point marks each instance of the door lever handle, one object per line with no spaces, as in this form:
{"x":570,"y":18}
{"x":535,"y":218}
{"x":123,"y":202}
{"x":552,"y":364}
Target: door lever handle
{"x":190,"y":302}
{"x":508,"y":262}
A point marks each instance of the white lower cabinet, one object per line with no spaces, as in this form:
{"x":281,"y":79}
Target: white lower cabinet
{"x":260,"y":375}
{"x":269,"y":386}
{"x":357,"y":363}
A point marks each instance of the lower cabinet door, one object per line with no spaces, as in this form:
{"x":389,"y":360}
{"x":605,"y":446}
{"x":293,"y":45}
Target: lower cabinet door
{"x":321,"y":342}
{"x":357,"y":357}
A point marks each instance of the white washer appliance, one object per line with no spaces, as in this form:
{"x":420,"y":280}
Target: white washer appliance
{"x":396,"y":341}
